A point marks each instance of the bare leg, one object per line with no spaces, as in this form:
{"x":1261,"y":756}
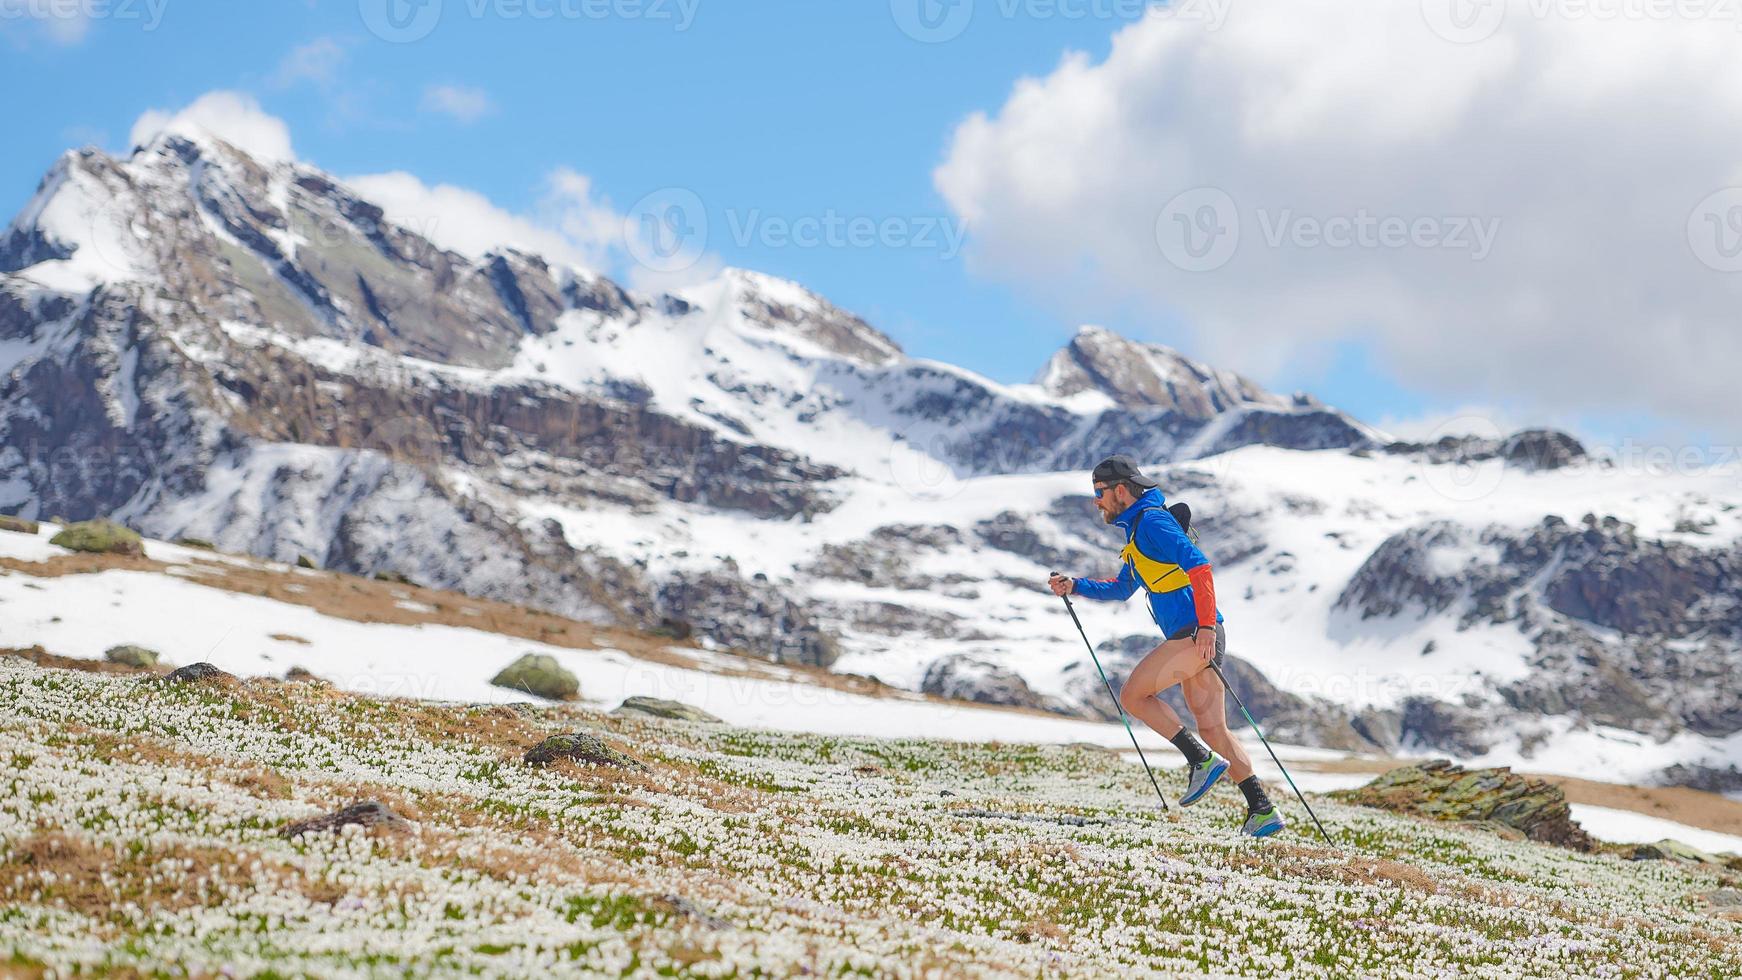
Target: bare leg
{"x":1165,"y":666}
{"x":1203,"y":692}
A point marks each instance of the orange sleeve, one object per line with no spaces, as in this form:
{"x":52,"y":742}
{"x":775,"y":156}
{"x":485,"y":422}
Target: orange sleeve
{"x":1203,"y":594}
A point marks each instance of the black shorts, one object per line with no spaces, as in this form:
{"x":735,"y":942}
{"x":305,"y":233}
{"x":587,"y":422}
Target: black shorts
{"x":1221,"y":639}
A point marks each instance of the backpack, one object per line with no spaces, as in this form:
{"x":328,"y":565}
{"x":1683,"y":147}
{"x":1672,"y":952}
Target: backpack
{"x":1182,"y":513}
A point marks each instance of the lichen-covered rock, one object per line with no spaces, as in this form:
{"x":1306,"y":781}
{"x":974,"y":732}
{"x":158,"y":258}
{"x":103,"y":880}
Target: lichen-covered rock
{"x":131,"y":656}
{"x":19,"y":524}
{"x":661,"y":708}
{"x":581,"y":747}
{"x":100,"y":537}
{"x":304,"y":561}
{"x":368,"y":814}
{"x":1444,"y":791}
{"x":197,"y":673}
{"x":1673,"y":850}
{"x":539,"y":675}
{"x":198,"y":543}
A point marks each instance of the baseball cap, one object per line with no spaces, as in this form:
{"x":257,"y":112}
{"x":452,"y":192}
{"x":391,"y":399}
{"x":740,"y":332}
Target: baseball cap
{"x":1115,"y":470}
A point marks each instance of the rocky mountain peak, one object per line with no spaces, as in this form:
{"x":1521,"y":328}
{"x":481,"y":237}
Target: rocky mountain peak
{"x":1136,"y":375}
{"x":790,"y":310}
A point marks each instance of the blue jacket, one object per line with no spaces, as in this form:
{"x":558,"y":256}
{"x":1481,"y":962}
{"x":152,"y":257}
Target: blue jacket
{"x":1157,"y":556}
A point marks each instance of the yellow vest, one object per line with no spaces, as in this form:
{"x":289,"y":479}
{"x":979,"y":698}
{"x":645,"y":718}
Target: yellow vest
{"x":1156,"y":576}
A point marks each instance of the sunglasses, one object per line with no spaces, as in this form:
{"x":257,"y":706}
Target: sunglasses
{"x":1101,"y":490}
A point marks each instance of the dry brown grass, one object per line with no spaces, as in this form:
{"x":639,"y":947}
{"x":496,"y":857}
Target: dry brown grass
{"x":255,"y":780}
{"x":42,"y":658}
{"x":81,"y":563}
{"x":71,"y":869}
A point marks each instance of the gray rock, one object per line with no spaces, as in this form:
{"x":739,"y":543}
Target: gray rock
{"x":964,"y":678}
{"x":1723,"y":898}
{"x":660,"y":708}
{"x":197,"y":674}
{"x":367,"y":814}
{"x":131,"y":656}
{"x":539,"y":675}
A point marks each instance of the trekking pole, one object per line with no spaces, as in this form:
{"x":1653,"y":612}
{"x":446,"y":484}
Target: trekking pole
{"x":1116,"y":704}
{"x":1249,"y":720}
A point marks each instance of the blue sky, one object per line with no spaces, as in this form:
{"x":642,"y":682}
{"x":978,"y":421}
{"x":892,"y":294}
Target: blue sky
{"x":793,"y":108}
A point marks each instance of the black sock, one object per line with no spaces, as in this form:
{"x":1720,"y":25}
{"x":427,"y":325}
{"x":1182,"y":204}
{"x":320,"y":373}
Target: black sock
{"x":1196,"y":752}
{"x":1256,"y":799}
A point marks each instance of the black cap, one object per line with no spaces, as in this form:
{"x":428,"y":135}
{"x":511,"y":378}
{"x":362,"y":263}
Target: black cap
{"x":1115,"y":470}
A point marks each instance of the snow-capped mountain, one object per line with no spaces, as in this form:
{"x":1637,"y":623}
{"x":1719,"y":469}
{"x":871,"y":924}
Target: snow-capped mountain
{"x":208,"y":345}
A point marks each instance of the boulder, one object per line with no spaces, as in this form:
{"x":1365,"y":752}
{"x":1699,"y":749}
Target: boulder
{"x":19,"y":524}
{"x":964,"y":678}
{"x":304,"y":561}
{"x":1444,"y":791}
{"x":660,"y":708}
{"x":368,"y":814}
{"x":302,"y":675}
{"x":1673,"y":850}
{"x":100,"y":537}
{"x":539,"y":675}
{"x":131,"y":656}
{"x":199,"y":543}
{"x":581,"y":747}
{"x":197,"y":673}
{"x":1542,"y":449}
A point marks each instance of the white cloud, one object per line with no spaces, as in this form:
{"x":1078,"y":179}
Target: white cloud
{"x":569,"y":226}
{"x":1586,"y":147}
{"x":318,"y":62}
{"x":460,"y":102}
{"x":233,"y":117}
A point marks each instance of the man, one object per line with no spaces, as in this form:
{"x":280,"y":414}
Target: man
{"x":1160,"y":557}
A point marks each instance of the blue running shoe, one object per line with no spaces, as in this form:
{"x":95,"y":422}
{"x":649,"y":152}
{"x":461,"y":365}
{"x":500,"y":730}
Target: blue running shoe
{"x":1263,"y":823}
{"x":1201,"y":777}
